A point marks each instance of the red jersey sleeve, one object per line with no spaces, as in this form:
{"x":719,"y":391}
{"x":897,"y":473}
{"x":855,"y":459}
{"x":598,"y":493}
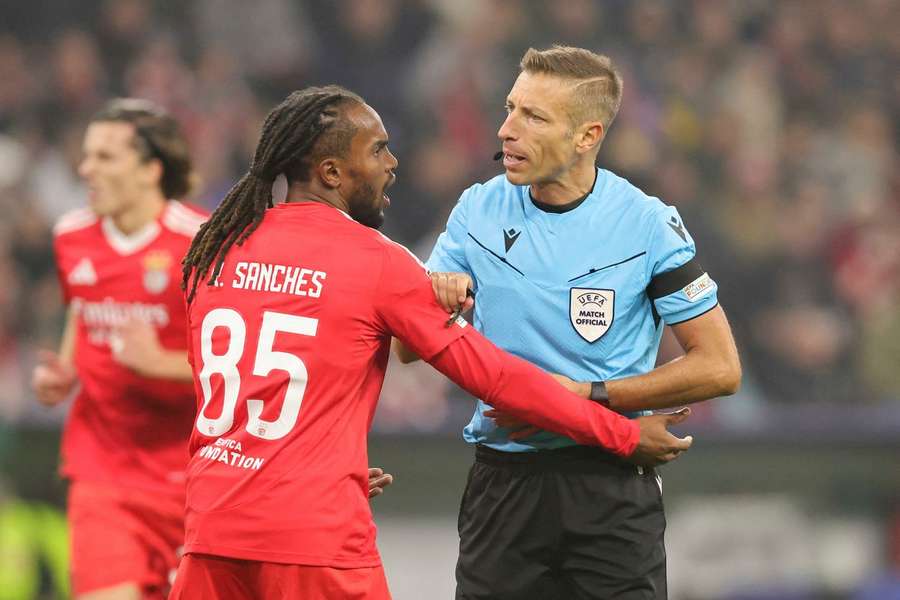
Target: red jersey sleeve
{"x":525,"y":391}
{"x":407,"y":308}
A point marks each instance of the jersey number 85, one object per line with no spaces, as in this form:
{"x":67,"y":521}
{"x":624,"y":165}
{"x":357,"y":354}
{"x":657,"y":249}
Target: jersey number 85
{"x":266,"y":361}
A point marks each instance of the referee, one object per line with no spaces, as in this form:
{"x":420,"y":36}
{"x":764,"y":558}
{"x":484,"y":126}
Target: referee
{"x":577,"y":271}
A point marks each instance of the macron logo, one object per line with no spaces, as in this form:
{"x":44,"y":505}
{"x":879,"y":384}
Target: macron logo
{"x":83,"y":273}
{"x":509,"y":237}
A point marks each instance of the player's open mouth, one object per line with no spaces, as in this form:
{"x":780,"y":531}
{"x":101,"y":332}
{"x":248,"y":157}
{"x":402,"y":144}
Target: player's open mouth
{"x":512,"y":160}
{"x":387,"y":200}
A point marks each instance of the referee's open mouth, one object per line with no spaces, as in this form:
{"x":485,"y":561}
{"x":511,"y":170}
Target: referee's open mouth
{"x":512,"y":160}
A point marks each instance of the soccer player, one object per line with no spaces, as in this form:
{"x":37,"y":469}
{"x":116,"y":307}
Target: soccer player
{"x":125,"y":444}
{"x":124,"y":447}
{"x":576,"y":270}
{"x":291,"y":310}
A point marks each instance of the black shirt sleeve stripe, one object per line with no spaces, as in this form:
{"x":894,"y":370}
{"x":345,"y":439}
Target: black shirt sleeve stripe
{"x":674,"y":280}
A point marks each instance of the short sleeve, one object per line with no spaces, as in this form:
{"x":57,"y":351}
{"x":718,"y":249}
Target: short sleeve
{"x":449,"y":253}
{"x":406,"y":305}
{"x":679,"y":287}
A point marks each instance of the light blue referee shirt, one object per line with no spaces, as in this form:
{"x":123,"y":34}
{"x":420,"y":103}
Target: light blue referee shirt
{"x":571,"y":291}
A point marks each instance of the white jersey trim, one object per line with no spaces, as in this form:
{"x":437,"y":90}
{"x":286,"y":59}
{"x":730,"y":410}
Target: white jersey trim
{"x":177,"y":209}
{"x":181,"y":219}
{"x":129,"y":244}
{"x":74,"y":220}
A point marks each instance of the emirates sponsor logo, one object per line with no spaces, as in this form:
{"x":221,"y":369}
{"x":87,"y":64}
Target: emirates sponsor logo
{"x":110,"y":313}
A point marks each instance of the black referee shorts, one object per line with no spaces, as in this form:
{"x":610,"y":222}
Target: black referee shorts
{"x":570,"y":524}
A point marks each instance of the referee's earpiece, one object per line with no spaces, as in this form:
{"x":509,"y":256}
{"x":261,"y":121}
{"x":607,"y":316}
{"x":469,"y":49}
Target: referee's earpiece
{"x":499,"y":155}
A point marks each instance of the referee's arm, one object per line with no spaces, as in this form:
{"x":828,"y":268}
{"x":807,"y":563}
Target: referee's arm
{"x":709,"y":368}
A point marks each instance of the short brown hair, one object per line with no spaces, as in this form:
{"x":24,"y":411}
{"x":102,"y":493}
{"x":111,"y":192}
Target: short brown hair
{"x":157,"y":136}
{"x":597,"y":92}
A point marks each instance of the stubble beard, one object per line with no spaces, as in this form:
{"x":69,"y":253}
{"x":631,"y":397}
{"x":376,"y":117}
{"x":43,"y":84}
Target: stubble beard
{"x":366,"y":207}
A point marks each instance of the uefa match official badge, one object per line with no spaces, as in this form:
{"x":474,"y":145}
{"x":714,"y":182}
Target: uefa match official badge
{"x":591,"y":312}
{"x":156,"y":271}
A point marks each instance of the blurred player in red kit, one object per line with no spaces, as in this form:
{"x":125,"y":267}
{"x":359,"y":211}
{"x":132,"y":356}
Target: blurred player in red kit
{"x":124,"y":446}
{"x":291,"y":310}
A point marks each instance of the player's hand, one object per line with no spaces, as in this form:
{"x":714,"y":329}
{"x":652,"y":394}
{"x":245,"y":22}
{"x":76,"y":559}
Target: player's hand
{"x":135,"y":345}
{"x":518,"y":429}
{"x":52,"y":379}
{"x":450,"y":291}
{"x":378,"y":480}
{"x":658,"y":445}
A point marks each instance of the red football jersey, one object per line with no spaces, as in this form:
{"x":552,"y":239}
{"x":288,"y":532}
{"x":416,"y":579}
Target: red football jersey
{"x":289,"y":350}
{"x":125,"y":428}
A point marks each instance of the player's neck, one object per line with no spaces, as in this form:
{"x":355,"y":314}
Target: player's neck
{"x":570,"y":186}
{"x":140,"y":215}
{"x":301,"y":192}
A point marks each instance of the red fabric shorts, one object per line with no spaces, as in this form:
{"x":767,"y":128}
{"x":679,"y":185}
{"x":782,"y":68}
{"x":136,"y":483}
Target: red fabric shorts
{"x":120,"y":536}
{"x":220,"y":578}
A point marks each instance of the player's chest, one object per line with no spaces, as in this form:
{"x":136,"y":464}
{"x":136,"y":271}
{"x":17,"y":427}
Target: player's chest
{"x":150,"y":275}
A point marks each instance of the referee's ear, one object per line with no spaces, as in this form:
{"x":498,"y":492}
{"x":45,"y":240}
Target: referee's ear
{"x":588,"y":137}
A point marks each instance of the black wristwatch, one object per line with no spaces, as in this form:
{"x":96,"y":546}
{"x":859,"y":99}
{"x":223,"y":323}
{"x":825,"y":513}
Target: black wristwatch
{"x":599,"y":393}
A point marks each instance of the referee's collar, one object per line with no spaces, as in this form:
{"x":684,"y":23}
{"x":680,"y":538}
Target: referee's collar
{"x":563,"y":208}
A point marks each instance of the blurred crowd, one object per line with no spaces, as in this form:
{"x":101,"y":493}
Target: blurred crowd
{"x":771,"y":125}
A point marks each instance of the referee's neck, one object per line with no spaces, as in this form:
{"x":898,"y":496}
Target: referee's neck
{"x":572,"y":185}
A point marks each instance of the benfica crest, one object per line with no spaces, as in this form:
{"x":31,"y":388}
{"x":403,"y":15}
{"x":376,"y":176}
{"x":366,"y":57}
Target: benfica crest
{"x":591,"y":312}
{"x":156,"y":271}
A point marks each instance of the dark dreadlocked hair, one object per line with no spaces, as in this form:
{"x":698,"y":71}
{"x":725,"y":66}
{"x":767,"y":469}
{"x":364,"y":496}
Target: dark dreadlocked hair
{"x":307,"y":126}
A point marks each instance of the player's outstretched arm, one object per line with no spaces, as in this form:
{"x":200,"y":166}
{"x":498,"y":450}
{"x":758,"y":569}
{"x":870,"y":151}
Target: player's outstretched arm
{"x":523,"y":391}
{"x":453,"y":291}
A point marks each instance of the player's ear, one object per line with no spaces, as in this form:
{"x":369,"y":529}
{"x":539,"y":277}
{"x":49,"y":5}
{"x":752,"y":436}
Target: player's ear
{"x":329,"y":173}
{"x":154,"y":170}
{"x":589,"y":136}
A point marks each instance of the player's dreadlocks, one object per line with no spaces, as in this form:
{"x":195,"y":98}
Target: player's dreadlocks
{"x":292,"y":137}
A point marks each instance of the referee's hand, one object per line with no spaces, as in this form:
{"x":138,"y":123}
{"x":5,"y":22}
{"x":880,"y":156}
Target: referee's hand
{"x":450,"y":291}
{"x":658,"y":445}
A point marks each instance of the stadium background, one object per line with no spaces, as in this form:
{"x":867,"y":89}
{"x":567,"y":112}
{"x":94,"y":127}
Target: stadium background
{"x":772,"y":126}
